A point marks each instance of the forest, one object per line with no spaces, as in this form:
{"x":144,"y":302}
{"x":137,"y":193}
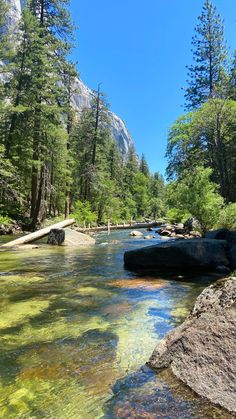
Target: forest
{"x":56,"y":162}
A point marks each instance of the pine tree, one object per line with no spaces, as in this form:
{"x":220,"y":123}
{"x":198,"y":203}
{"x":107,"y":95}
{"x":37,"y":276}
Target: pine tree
{"x":232,"y":79}
{"x":207,"y":76}
{"x":38,"y":97}
{"x":144,"y":166}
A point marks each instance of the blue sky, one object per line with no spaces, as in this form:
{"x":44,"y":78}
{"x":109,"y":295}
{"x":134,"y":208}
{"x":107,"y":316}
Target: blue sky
{"x":138,"y":49}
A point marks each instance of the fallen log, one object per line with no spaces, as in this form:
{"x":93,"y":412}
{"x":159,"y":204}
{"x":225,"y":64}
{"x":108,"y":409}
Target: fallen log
{"x":29,"y":238}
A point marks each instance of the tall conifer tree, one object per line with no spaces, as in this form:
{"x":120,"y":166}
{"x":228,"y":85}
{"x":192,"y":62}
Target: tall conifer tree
{"x":207,"y":75}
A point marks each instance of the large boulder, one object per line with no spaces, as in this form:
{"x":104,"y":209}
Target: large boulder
{"x":230,"y":237}
{"x":182,"y":254}
{"x":69,"y":237}
{"x":201,"y":352}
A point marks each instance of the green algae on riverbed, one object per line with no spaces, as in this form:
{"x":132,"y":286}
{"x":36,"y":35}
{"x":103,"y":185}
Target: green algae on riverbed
{"x":76,"y":330}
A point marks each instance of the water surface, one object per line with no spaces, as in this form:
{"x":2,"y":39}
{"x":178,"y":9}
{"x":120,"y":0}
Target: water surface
{"x":77,"y":329}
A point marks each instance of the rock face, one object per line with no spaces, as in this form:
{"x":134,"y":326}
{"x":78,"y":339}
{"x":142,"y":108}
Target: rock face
{"x":74,"y":238}
{"x":201,"y":352}
{"x":182,"y":254}
{"x":14,"y":13}
{"x":56,"y":236}
{"x":83,"y":95}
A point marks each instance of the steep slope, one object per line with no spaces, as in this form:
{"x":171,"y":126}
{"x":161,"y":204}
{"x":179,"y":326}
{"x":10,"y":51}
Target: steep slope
{"x":84,"y":95}
{"x":82,"y":99}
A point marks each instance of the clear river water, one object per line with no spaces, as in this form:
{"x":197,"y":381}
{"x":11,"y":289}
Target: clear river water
{"x":76,"y":330}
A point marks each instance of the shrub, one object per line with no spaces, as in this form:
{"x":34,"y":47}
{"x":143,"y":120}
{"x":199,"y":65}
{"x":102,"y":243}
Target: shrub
{"x":176,"y":215}
{"x":197,"y":194}
{"x":227,"y":217}
{"x":5,"y":220}
{"x":83,"y":213}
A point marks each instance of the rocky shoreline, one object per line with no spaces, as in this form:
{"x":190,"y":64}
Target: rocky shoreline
{"x":7,"y":230}
{"x":201,"y":351}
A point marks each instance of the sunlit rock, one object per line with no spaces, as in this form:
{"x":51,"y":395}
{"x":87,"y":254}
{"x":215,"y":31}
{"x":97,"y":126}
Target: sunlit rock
{"x":201,"y":352}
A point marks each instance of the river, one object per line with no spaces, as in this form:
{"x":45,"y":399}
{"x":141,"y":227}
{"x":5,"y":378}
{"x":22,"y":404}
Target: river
{"x":77,"y":329}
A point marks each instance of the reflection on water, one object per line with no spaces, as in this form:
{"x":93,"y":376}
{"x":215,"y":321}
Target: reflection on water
{"x":76,"y":331}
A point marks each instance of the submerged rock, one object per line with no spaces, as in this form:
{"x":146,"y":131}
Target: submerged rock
{"x":201,"y":352}
{"x":182,"y":254}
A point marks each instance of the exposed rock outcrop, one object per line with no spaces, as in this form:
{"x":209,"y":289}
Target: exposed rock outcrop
{"x":201,"y":352}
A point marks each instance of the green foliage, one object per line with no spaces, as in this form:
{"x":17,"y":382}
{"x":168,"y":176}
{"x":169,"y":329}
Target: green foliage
{"x":195,"y":193}
{"x":140,"y":190}
{"x":83,"y":213}
{"x":176,"y":215}
{"x":207,"y":136}
{"x":5,"y":220}
{"x":227,"y":217}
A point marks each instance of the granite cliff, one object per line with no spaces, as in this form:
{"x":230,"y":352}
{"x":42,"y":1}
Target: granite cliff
{"x":83,"y":94}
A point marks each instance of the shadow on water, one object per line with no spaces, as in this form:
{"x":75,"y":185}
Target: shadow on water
{"x":77,"y":328}
{"x":149,"y":394}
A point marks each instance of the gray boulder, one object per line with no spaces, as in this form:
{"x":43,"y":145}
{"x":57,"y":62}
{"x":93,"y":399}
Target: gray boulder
{"x":56,"y":236}
{"x":69,"y":237}
{"x":201,"y":352}
{"x":181,"y":254}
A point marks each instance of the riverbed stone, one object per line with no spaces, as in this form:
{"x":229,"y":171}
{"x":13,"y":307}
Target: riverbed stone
{"x":136,"y":233}
{"x":186,"y":254}
{"x":201,"y":351}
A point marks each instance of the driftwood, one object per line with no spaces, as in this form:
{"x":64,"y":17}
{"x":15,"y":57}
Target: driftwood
{"x":29,"y":238}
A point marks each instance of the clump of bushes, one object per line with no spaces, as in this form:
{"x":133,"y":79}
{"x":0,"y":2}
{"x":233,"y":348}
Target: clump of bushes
{"x":83,"y":213}
{"x":5,"y":220}
{"x":227,"y":217}
{"x":175,"y":215}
